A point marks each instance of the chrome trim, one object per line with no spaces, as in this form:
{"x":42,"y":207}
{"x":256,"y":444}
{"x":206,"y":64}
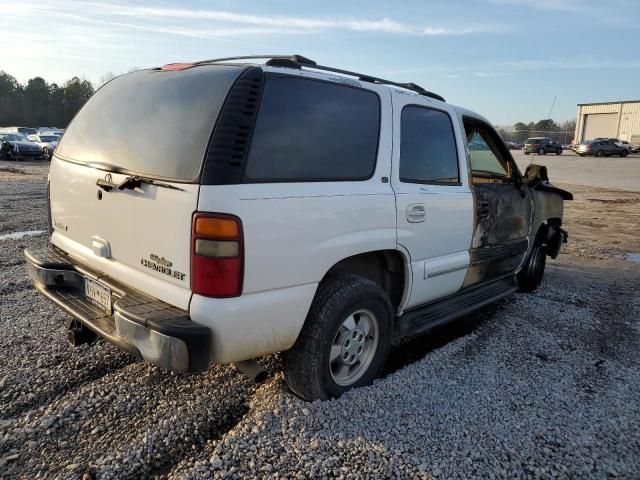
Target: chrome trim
{"x":446,"y":270}
{"x":157,"y":348}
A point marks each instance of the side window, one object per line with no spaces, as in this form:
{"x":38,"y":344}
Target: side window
{"x":309,"y":130}
{"x":427,"y":147}
{"x":488,"y":163}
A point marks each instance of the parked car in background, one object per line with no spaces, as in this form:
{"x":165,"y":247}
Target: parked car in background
{"x":512,"y":145}
{"x":20,"y":130}
{"x":48,"y":143}
{"x":542,"y":146}
{"x":46,"y":129}
{"x":618,"y":142}
{"x":193,"y":243}
{"x":601,"y":148}
{"x":18,"y":147}
{"x":58,"y":132}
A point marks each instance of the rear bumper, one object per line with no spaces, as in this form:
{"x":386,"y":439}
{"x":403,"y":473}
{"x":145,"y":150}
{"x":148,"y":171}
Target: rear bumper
{"x":141,"y":325}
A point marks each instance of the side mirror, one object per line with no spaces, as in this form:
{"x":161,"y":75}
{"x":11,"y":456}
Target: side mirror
{"x":535,"y":174}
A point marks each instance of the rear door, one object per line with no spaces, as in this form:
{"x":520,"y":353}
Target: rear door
{"x":434,"y":207}
{"x":503,"y":209}
{"x":156,"y":125}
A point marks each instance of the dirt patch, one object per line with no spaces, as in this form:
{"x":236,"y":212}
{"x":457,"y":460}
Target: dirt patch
{"x":13,"y":170}
{"x":615,"y":200}
{"x":602,"y":223}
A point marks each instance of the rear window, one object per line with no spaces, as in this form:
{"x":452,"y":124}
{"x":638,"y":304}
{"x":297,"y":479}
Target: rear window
{"x":309,"y":130}
{"x":150,"y":122}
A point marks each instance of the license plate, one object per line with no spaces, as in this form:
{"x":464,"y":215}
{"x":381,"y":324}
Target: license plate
{"x":97,"y":294}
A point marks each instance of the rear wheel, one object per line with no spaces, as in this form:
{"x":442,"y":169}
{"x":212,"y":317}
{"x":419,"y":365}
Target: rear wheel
{"x":541,"y":151}
{"x":599,"y":153}
{"x":624,"y":153}
{"x":344,"y":341}
{"x":45,"y":153}
{"x":559,"y":151}
{"x":526,"y":153}
{"x":532,"y":272}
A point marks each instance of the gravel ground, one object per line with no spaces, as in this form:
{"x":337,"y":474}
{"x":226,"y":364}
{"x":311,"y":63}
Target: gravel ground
{"x":540,"y":385}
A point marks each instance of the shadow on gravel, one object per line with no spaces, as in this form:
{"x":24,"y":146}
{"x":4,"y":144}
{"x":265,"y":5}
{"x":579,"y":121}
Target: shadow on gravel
{"x":70,"y":382}
{"x":409,"y":351}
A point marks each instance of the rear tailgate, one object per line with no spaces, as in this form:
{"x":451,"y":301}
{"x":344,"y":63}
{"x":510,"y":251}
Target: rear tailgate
{"x":147,"y":231}
{"x":155,"y":125}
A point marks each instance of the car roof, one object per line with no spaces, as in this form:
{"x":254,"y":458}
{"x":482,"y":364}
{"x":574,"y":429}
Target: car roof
{"x":296,"y":64}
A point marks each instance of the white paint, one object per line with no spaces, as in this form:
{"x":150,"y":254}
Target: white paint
{"x":440,"y":242}
{"x":18,"y":235}
{"x":254,"y":324}
{"x":134,"y":223}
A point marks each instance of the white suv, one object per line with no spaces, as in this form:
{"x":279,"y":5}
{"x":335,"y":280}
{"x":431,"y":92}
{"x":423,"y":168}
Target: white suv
{"x":219,"y":211}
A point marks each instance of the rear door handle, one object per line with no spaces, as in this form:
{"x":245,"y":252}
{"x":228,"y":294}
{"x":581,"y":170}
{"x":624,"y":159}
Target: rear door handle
{"x":416,"y":212}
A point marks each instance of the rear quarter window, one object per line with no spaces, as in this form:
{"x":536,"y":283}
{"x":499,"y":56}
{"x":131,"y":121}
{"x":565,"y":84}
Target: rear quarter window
{"x":311,"y":130}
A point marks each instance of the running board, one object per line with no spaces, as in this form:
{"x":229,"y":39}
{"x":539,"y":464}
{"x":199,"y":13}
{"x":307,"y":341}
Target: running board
{"x":431,"y":315}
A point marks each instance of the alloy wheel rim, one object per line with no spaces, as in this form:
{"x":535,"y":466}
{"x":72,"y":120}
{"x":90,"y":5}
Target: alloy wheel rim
{"x":354,"y":346}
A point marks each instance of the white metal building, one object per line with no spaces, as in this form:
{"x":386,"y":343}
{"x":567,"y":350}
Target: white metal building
{"x":610,"y":120}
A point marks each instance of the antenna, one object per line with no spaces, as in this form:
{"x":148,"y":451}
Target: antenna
{"x":548,"y":117}
{"x":552,"y":104}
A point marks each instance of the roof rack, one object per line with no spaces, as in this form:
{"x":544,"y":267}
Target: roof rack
{"x":298,"y":61}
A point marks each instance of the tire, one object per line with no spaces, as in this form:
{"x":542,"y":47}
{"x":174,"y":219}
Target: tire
{"x":542,"y":152}
{"x":624,"y":153}
{"x":559,"y":151}
{"x":599,"y":153}
{"x":581,"y":154}
{"x":530,"y":277}
{"x":45,"y":153}
{"x":526,"y":153}
{"x":308,"y":368}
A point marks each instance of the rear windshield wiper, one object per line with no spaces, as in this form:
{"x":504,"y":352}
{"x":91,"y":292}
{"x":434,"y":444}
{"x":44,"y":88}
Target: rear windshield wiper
{"x":134,"y":181}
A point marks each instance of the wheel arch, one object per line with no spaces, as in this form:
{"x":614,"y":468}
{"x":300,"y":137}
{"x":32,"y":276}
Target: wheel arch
{"x":390,"y":268}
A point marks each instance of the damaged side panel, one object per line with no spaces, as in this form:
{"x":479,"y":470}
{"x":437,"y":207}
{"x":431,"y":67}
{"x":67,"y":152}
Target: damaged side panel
{"x":500,"y":239}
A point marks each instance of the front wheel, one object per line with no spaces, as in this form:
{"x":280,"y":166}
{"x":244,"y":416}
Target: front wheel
{"x":599,"y":153}
{"x":344,"y":341}
{"x":530,"y":277}
{"x":624,"y":153}
{"x":541,"y":151}
{"x":526,"y":153}
{"x":559,"y":151}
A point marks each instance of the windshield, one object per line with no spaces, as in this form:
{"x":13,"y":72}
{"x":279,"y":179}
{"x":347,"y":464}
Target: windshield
{"x":150,"y":122}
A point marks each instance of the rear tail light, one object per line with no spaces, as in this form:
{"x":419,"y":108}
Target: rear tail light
{"x":217,"y":255}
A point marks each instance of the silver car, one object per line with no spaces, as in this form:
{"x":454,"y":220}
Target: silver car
{"x":48,"y":143}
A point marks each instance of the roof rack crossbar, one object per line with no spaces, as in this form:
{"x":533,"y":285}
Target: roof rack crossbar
{"x":308,"y":63}
{"x":368,"y":78}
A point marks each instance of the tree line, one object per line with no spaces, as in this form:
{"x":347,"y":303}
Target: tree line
{"x":38,"y":103}
{"x":520,"y":131}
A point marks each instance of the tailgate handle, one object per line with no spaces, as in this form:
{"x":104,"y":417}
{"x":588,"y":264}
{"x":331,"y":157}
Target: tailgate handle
{"x":101,"y":247}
